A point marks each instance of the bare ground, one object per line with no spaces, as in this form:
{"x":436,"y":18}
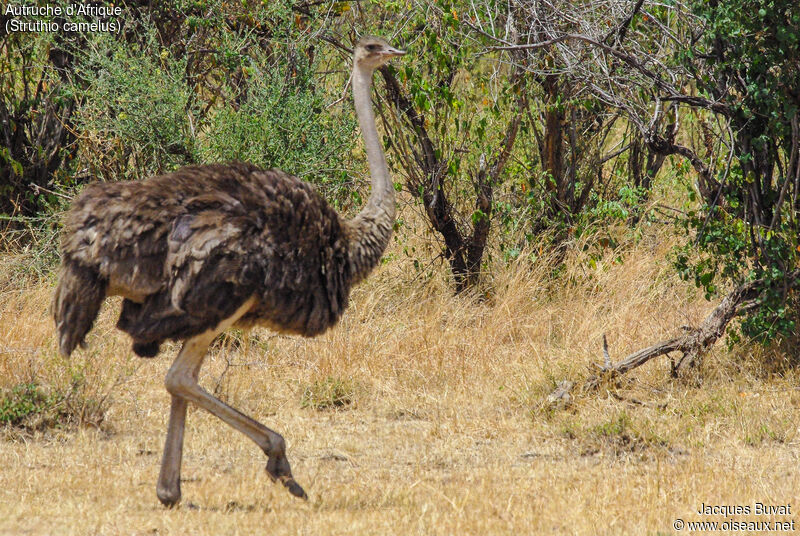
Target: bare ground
{"x":422,"y":413}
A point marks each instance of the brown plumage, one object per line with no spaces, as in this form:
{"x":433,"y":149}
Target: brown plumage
{"x":208,"y":247}
{"x":188,"y":248}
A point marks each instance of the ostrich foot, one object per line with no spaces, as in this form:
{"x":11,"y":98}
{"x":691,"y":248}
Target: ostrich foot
{"x":279,"y":471}
{"x":168,"y":497}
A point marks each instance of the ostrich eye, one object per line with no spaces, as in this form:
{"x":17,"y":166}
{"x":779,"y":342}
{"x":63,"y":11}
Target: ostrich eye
{"x":373,"y":48}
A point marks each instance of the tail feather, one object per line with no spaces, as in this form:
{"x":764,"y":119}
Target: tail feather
{"x":77,"y":300}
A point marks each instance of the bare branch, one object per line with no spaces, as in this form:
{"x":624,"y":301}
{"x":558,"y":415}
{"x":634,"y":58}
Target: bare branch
{"x":622,"y":28}
{"x":671,"y":92}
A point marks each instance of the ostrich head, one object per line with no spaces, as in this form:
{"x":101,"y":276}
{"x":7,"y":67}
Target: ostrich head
{"x":372,"y":52}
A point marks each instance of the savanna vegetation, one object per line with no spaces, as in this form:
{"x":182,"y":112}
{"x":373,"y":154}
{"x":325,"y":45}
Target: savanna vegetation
{"x":586,"y":322}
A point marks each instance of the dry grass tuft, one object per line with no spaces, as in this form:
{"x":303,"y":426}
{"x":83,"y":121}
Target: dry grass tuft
{"x":329,"y":393}
{"x":39,"y":391}
{"x":441,"y":424}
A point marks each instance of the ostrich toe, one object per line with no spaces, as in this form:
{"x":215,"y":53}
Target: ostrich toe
{"x":279,"y":470}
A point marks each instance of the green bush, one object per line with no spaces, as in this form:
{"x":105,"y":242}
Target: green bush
{"x":329,"y":393}
{"x":147,"y":109}
{"x":282,"y":123}
{"x":33,"y":407}
{"x":135,"y":109}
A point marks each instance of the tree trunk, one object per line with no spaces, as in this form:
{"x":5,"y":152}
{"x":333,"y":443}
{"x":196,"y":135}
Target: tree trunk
{"x":425,"y":174}
{"x":553,"y":144}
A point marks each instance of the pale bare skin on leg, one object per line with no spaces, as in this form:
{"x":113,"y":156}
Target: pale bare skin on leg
{"x":181,"y":382}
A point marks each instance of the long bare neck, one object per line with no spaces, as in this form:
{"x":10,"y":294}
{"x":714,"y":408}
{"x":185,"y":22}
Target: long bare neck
{"x":371,"y":229}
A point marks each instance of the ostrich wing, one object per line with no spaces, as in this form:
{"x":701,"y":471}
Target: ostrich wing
{"x":208,"y":276}
{"x":207,"y":262}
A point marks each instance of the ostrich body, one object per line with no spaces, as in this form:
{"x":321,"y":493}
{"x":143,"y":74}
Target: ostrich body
{"x":205,"y":248}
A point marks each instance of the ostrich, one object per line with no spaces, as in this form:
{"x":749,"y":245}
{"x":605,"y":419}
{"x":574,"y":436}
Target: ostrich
{"x":209,"y":247}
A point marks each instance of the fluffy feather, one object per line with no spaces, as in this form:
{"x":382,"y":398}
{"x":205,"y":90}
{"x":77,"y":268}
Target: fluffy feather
{"x":188,"y":248}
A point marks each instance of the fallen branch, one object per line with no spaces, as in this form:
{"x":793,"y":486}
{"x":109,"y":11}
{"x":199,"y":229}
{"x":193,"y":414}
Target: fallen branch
{"x":639,"y":358}
{"x":693,"y":344}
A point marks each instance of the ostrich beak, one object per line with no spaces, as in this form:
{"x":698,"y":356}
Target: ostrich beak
{"x":392,"y":52}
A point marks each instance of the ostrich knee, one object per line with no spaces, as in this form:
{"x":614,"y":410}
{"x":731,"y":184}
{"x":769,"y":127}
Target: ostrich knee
{"x":179,"y":383}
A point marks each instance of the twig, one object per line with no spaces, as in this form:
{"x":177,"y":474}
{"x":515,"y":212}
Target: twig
{"x":344,"y":92}
{"x":337,"y":44}
{"x":622,"y":27}
{"x":606,"y":357}
{"x":35,"y":187}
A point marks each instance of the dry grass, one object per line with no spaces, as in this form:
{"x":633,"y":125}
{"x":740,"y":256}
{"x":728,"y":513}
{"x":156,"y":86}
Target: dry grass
{"x":422,"y":413}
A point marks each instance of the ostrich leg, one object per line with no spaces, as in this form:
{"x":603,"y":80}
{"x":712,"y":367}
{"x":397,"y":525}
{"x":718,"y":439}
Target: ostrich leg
{"x":182,"y":384}
{"x":169,"y":479}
